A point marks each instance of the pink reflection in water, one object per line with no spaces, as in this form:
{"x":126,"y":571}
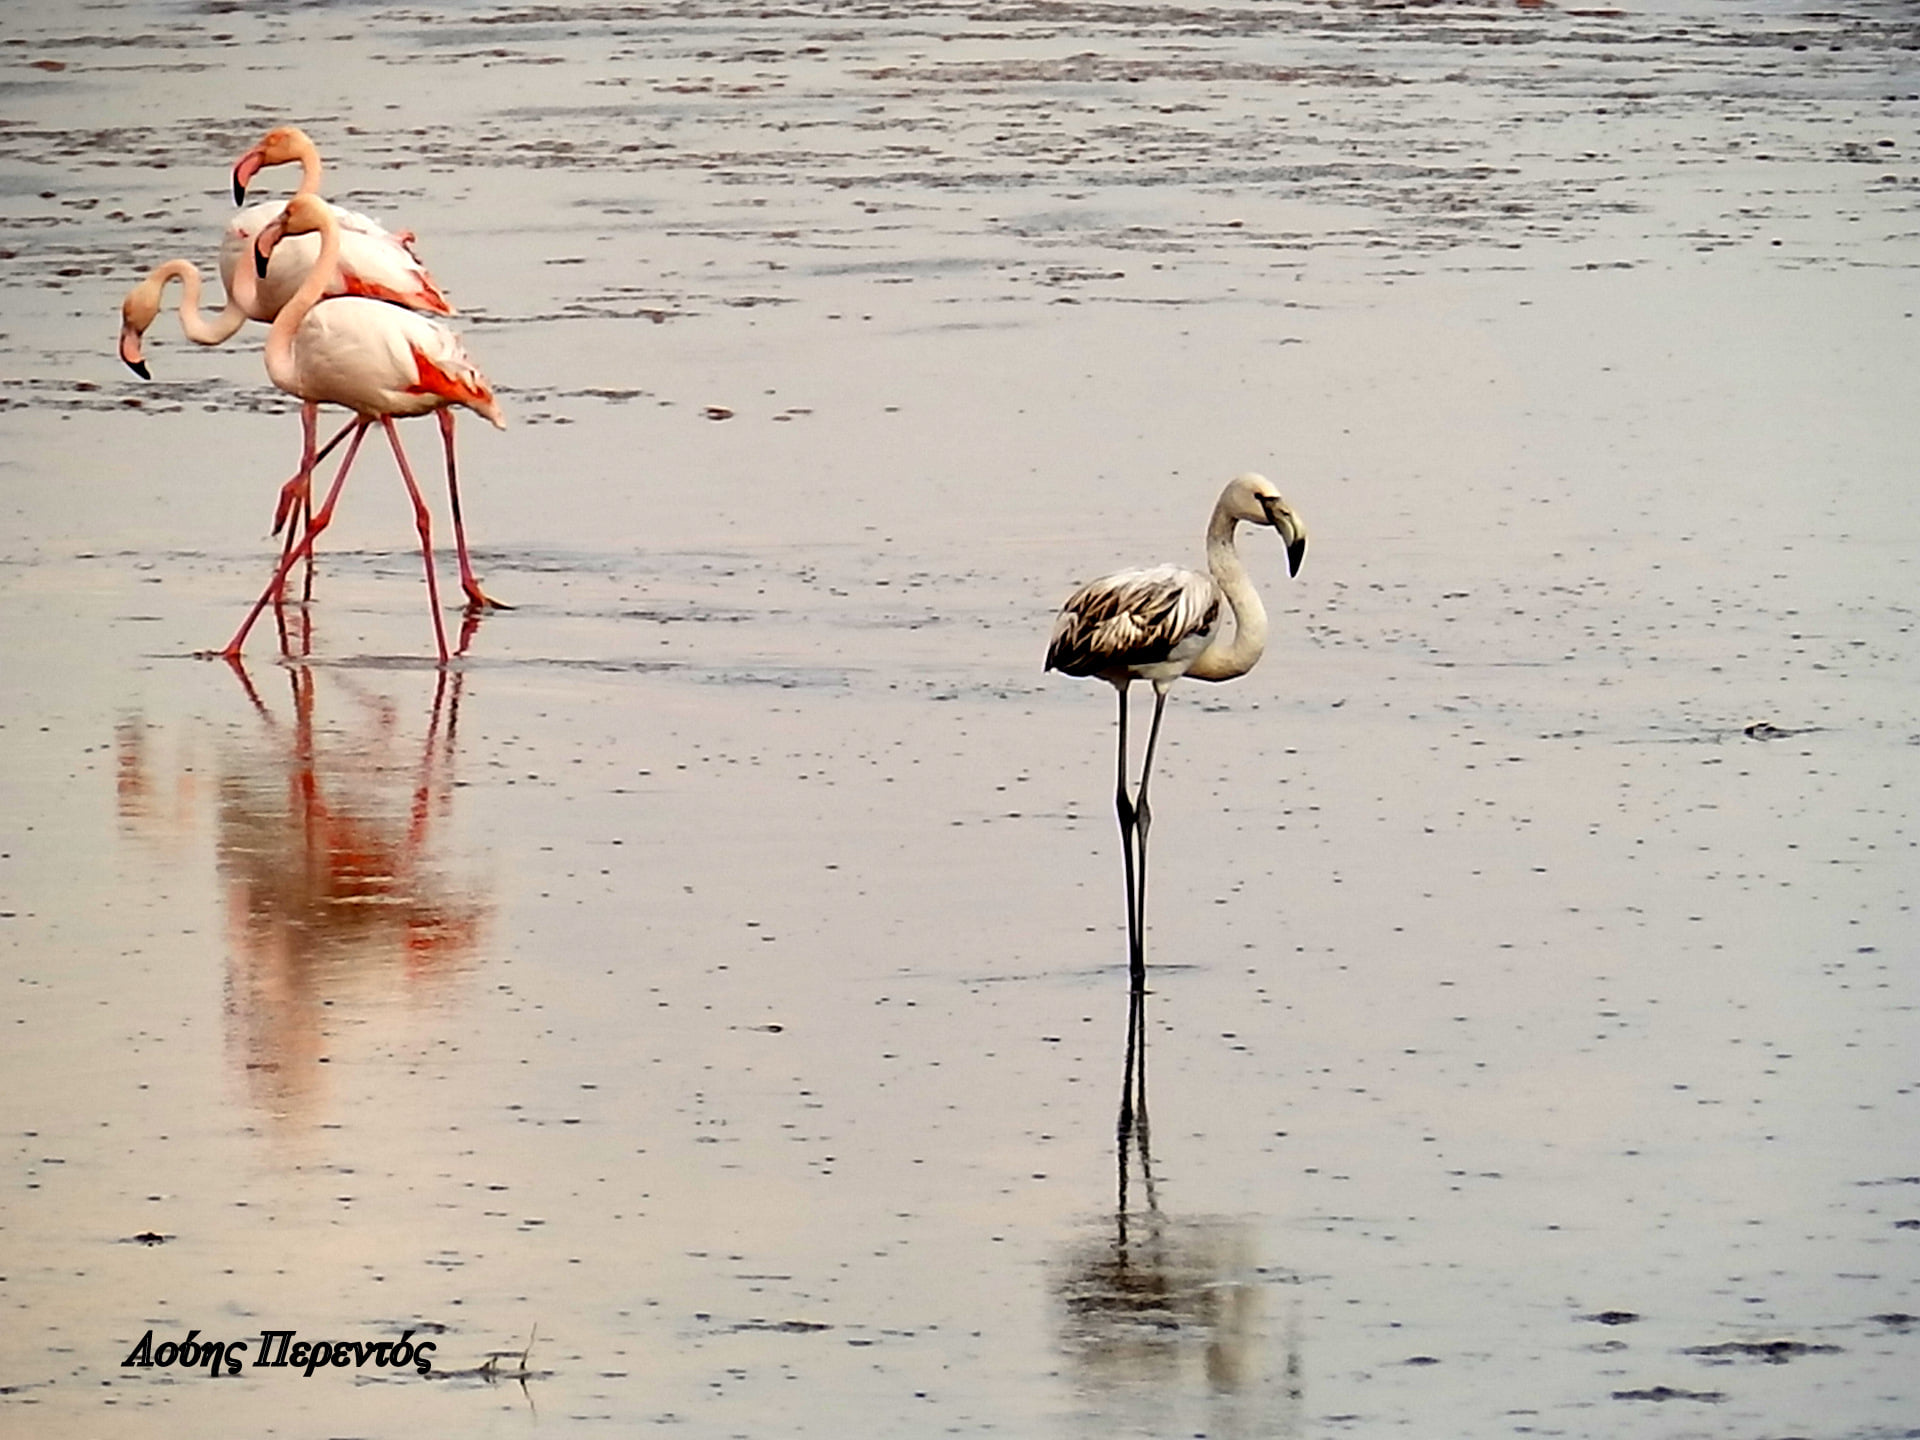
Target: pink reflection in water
{"x":329,"y":820}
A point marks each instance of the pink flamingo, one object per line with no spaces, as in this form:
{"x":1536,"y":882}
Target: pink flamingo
{"x":379,"y":361}
{"x":142,"y":307}
{"x":374,"y":262}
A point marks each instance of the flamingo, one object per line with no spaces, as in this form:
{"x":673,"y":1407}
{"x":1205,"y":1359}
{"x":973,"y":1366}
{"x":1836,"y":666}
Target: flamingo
{"x":379,"y":361}
{"x":1162,"y":623}
{"x":374,"y":262}
{"x":142,"y":307}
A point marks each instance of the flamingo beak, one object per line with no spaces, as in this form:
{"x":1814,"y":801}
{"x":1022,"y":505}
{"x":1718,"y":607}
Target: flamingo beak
{"x":244,"y":170}
{"x":1291,"y":530}
{"x":130,"y":352}
{"x":270,"y":235}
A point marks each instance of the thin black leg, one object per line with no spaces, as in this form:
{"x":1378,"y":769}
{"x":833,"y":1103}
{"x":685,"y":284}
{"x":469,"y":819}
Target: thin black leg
{"x":1143,"y":821}
{"x":1123,"y":805}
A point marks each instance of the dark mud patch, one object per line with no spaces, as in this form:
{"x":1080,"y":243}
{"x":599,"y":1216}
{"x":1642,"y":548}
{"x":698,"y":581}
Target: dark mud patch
{"x":1767,"y":730}
{"x":1663,"y":1393}
{"x":1091,"y":67}
{"x":1773,"y":1352}
{"x":163,"y":397}
{"x":1612,"y":1317}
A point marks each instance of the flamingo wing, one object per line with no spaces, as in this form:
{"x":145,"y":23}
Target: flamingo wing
{"x":1120,"y":623}
{"x":443,"y":368}
{"x":379,"y":359}
{"x":383,"y":268}
{"x":374,"y":263}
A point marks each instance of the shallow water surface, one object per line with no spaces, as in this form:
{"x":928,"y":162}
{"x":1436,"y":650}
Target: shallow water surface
{"x":704,"y":1002}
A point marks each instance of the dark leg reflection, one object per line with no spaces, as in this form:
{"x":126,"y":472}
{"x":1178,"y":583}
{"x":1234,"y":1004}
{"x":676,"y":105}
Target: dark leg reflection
{"x":1164,"y":1318}
{"x":1132,"y":1134}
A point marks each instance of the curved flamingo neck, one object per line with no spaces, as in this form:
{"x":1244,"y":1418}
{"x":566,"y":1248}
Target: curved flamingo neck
{"x":311,"y":171}
{"x":199,"y":328}
{"x":188,"y":274}
{"x":243,"y":291}
{"x":279,"y":350}
{"x":1224,"y":659}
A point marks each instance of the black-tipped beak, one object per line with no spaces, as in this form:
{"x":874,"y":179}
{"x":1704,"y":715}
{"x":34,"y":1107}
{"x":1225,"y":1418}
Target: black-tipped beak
{"x":244,"y":169}
{"x":1282,"y":520}
{"x":130,"y":351}
{"x":271,"y":234}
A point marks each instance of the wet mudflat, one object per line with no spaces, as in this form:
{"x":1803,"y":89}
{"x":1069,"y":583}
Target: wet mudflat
{"x":717,"y":977}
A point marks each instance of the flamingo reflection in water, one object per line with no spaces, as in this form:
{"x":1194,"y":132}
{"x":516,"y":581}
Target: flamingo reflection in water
{"x":329,"y":835}
{"x":1163,"y":1317}
{"x":334,"y":887}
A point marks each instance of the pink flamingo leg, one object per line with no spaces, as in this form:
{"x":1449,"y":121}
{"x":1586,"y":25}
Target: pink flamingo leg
{"x":306,"y":513}
{"x":423,"y":522}
{"x":306,"y":519}
{"x":300,"y":484}
{"x":299,"y":490}
{"x":322,"y":518}
{"x":475,"y":595}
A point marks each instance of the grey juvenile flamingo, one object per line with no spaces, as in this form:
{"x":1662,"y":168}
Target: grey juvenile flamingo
{"x":1159,"y":624}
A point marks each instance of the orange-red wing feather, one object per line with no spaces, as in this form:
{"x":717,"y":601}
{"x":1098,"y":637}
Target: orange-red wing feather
{"x":424,"y":296}
{"x":462,"y":386}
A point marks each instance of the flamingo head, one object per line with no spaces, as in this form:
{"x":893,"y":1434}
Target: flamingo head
{"x":137,"y":312}
{"x":1252,"y":498}
{"x":303,"y":214}
{"x":282,"y":145}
